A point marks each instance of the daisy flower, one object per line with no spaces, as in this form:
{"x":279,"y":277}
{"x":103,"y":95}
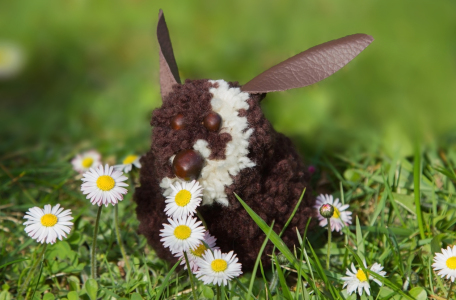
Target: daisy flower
{"x":104,"y":186}
{"x":358,"y":280}
{"x":218,"y":267}
{"x":341,"y":216}
{"x":197,"y":252}
{"x":446,"y":263}
{"x":48,"y":224}
{"x":86,"y":160}
{"x":184,"y":199}
{"x":182,"y":234}
{"x":128,"y":163}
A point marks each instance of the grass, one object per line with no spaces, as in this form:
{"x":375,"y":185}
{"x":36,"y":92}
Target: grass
{"x":378,"y":189}
{"x":90,"y":81}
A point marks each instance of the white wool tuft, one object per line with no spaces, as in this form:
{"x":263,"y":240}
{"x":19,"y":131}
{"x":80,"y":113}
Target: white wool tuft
{"x":217,"y":174}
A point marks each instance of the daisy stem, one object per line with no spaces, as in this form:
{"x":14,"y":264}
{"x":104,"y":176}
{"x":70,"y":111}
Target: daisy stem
{"x":93,"y":260}
{"x":218,"y":292}
{"x":329,"y":244}
{"x":25,"y":285}
{"x":416,"y":184}
{"x":132,"y":178}
{"x":119,"y":239}
{"x":201,"y":218}
{"x":449,"y":291}
{"x":190,"y":275}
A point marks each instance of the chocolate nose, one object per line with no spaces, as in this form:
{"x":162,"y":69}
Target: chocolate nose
{"x":187,"y":164}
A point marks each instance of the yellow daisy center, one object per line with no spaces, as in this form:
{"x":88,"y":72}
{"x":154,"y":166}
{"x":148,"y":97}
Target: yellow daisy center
{"x":219,"y":265}
{"x":105,"y":183}
{"x":183,"y":197}
{"x":49,"y":220}
{"x":182,"y":232}
{"x":361,"y":275}
{"x":87,"y":162}
{"x":451,"y":263}
{"x":129,"y":159}
{"x":199,"y":251}
{"x":336,"y":213}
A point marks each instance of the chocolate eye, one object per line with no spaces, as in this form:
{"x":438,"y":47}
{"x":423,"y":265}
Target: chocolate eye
{"x":177,"y":122}
{"x":213,"y":121}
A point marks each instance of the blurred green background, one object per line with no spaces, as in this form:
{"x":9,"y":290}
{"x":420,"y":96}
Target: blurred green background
{"x":89,"y":73}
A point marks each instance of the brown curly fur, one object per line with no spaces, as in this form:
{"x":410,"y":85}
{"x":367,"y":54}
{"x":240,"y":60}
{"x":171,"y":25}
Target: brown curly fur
{"x":271,"y":188}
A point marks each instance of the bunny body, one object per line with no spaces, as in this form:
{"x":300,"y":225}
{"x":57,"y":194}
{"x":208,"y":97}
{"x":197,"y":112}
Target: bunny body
{"x":245,"y":155}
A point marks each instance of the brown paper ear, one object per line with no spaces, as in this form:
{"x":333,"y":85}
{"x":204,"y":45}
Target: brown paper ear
{"x":310,"y":66}
{"x":169,"y":73}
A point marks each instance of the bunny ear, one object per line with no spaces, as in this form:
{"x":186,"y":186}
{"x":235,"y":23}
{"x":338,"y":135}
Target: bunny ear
{"x":169,"y":73}
{"x":310,"y":66}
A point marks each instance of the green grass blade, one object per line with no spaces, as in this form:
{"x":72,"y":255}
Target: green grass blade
{"x":257,"y":262}
{"x":311,"y":282}
{"x":301,"y":257}
{"x":380,"y":207}
{"x":321,"y":272}
{"x":283,"y":282}
{"x":447,"y":172}
{"x":385,"y":281}
{"x":393,"y":203}
{"x":416,"y":190}
{"x":166,"y":279}
{"x":293,"y":213}
{"x":359,"y":240}
{"x":291,"y":216}
{"x":146,"y":271}
{"x":275,"y":239}
{"x":12,"y":262}
{"x":39,"y":277}
{"x":265,"y":281}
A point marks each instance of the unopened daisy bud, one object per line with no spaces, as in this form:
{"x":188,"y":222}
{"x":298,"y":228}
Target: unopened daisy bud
{"x":340,"y":218}
{"x":282,"y":259}
{"x":327,"y":211}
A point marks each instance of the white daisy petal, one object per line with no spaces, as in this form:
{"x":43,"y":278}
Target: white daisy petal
{"x":445,"y":263}
{"x":101,"y":187}
{"x":182,"y":234}
{"x":128,"y":163}
{"x":194,"y":253}
{"x":341,"y":216}
{"x":217,"y":268}
{"x":51,"y":224}
{"x":84,"y":161}
{"x":356,"y":280}
{"x":183,"y":200}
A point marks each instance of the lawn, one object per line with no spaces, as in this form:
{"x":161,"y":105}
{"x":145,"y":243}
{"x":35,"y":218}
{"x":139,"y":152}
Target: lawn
{"x":379,"y":134}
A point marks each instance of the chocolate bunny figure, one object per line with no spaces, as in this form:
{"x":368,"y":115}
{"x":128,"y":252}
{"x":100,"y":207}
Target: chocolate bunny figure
{"x":215,"y":132}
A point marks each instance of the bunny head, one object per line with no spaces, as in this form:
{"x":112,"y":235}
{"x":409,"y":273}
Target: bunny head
{"x":214,"y":132}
